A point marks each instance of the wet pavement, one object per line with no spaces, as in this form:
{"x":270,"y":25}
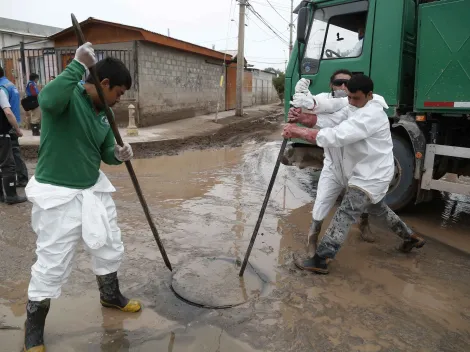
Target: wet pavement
{"x":205,"y":204}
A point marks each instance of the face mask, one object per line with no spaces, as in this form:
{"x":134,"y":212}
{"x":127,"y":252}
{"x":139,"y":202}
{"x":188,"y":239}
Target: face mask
{"x":340,"y":93}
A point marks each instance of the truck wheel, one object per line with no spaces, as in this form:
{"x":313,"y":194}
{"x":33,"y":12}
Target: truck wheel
{"x":402,"y":190}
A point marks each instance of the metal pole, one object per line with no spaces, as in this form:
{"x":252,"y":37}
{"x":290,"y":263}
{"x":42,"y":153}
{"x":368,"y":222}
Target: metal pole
{"x":23,"y":65}
{"x":263,"y":208}
{"x":291,"y":25}
{"x":117,"y":136}
{"x":240,"y":58}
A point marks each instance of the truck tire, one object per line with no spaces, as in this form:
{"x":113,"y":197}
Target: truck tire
{"x":402,"y":190}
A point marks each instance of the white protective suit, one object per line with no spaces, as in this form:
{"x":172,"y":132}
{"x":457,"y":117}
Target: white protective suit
{"x":367,"y":154}
{"x":331,"y":181}
{"x":356,"y":50}
{"x":61,"y":216}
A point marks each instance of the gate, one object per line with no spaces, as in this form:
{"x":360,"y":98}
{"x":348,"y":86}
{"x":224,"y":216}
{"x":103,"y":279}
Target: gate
{"x":48,"y":63}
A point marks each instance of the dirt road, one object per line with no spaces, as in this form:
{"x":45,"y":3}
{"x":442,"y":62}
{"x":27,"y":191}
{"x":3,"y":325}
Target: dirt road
{"x":206,"y":203}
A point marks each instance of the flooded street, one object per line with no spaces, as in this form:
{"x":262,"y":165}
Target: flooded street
{"x":205,"y":204}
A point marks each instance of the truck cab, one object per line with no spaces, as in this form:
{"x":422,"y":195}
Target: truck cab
{"x":418,"y":55}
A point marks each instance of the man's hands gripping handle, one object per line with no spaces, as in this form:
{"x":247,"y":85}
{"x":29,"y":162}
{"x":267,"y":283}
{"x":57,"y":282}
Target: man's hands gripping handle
{"x":85,"y":55}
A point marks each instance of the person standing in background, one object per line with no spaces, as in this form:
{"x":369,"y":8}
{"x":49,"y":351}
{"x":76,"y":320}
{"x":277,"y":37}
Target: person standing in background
{"x":32,"y":90}
{"x":8,"y":122}
{"x":13,"y":97}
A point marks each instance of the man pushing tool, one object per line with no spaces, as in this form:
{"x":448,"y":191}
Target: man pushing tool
{"x":71,"y":197}
{"x":366,"y":166}
{"x":330,"y":184}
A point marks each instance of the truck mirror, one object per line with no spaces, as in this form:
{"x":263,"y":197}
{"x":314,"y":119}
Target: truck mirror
{"x":302,"y":25}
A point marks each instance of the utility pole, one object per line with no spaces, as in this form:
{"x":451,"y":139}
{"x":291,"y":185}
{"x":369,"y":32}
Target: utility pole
{"x":291,"y":25}
{"x":240,"y":58}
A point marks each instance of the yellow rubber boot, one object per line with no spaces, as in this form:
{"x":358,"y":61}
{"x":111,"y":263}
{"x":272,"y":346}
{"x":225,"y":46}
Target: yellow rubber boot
{"x":36,"y":313}
{"x":36,"y":349}
{"x":111,"y":296}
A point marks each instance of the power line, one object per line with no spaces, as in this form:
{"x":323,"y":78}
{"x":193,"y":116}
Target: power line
{"x":265,"y":62}
{"x":268,"y":58}
{"x":270,"y":38}
{"x":279,"y":7}
{"x":281,"y":4}
{"x":276,"y":35}
{"x":277,"y":12}
{"x":216,"y":40}
{"x":262,"y":19}
{"x":250,"y":7}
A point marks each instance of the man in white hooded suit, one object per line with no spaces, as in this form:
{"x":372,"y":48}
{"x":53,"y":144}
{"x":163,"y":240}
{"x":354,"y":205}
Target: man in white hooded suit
{"x":366,"y":168}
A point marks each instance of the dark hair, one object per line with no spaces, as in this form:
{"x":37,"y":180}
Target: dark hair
{"x":2,"y":73}
{"x":361,"y":83}
{"x":343,"y":71}
{"x":33,"y":76}
{"x":114,"y":70}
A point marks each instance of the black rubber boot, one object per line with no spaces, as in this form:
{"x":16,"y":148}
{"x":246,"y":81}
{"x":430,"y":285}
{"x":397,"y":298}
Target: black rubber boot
{"x":316,"y":264}
{"x":111,"y":296}
{"x":9,"y":185}
{"x":313,"y":234}
{"x":414,"y":242}
{"x":2,"y":195}
{"x":21,"y":184}
{"x":35,"y":129}
{"x":36,"y":313}
{"x":364,"y":227}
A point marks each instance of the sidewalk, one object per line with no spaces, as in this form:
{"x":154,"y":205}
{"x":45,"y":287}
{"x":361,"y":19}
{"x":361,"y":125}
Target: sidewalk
{"x":181,"y":129}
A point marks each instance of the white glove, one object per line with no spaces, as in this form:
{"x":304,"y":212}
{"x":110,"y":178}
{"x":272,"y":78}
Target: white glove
{"x":85,"y":55}
{"x":302,"y":86}
{"x":123,"y":153}
{"x":305,"y":101}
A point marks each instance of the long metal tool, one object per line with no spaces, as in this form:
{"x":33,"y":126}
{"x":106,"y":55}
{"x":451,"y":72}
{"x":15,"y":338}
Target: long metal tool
{"x":117,"y":136}
{"x":263,"y":208}
{"x":270,"y":187}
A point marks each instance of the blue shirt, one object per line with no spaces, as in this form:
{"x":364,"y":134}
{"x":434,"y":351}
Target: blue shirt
{"x":31,"y":88}
{"x":13,"y":96}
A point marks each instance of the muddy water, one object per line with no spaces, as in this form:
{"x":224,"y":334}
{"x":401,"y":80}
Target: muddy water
{"x":206,"y":203}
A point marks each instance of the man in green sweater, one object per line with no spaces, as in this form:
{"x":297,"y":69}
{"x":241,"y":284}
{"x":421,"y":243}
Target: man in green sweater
{"x":71,"y":197}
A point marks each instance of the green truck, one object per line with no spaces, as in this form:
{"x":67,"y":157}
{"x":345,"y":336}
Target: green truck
{"x":418,"y":55}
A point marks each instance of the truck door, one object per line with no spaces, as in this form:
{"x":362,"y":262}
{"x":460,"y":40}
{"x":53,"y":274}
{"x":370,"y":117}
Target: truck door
{"x":340,"y":37}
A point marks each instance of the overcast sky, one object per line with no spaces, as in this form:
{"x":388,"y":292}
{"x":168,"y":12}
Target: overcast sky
{"x":200,"y":22}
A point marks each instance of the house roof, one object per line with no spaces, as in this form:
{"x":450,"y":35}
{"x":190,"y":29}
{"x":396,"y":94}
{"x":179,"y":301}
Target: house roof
{"x":148,"y":36}
{"x":7,"y":25}
{"x":234,"y":54}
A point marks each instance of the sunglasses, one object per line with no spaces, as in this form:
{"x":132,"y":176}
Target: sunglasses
{"x":339,"y":82}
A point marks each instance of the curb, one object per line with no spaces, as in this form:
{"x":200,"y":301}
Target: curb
{"x":228,"y":130}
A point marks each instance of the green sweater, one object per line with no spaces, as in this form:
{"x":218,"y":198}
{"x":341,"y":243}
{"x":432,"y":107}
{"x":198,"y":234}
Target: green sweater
{"x":74,"y":138}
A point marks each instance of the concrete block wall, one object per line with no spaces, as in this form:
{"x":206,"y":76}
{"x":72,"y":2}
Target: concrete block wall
{"x":263,"y":88}
{"x":175,"y":84}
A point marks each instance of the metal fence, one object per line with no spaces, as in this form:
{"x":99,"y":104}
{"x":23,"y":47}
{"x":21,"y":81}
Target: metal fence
{"x":48,"y":63}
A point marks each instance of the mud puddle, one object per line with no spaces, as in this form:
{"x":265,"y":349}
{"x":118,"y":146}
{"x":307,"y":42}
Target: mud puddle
{"x":205,"y":204}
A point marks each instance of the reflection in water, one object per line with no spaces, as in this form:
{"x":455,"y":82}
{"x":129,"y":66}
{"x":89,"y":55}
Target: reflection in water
{"x":114,"y":337}
{"x":172,"y":342}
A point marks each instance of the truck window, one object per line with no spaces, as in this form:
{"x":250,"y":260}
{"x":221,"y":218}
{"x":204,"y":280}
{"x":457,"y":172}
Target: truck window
{"x":333,"y":23}
{"x":345,"y":36}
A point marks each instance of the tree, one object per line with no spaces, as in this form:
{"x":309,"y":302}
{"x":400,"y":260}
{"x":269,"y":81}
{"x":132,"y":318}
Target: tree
{"x":273,"y":70}
{"x":278,"y":83}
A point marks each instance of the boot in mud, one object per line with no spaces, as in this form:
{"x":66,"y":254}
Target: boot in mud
{"x":36,"y":313}
{"x":414,"y":242}
{"x":315,"y":264}
{"x":364,"y":227}
{"x":2,"y":195}
{"x":313,"y":234}
{"x":111,"y":296}
{"x":9,"y":185}
{"x":36,"y":129}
